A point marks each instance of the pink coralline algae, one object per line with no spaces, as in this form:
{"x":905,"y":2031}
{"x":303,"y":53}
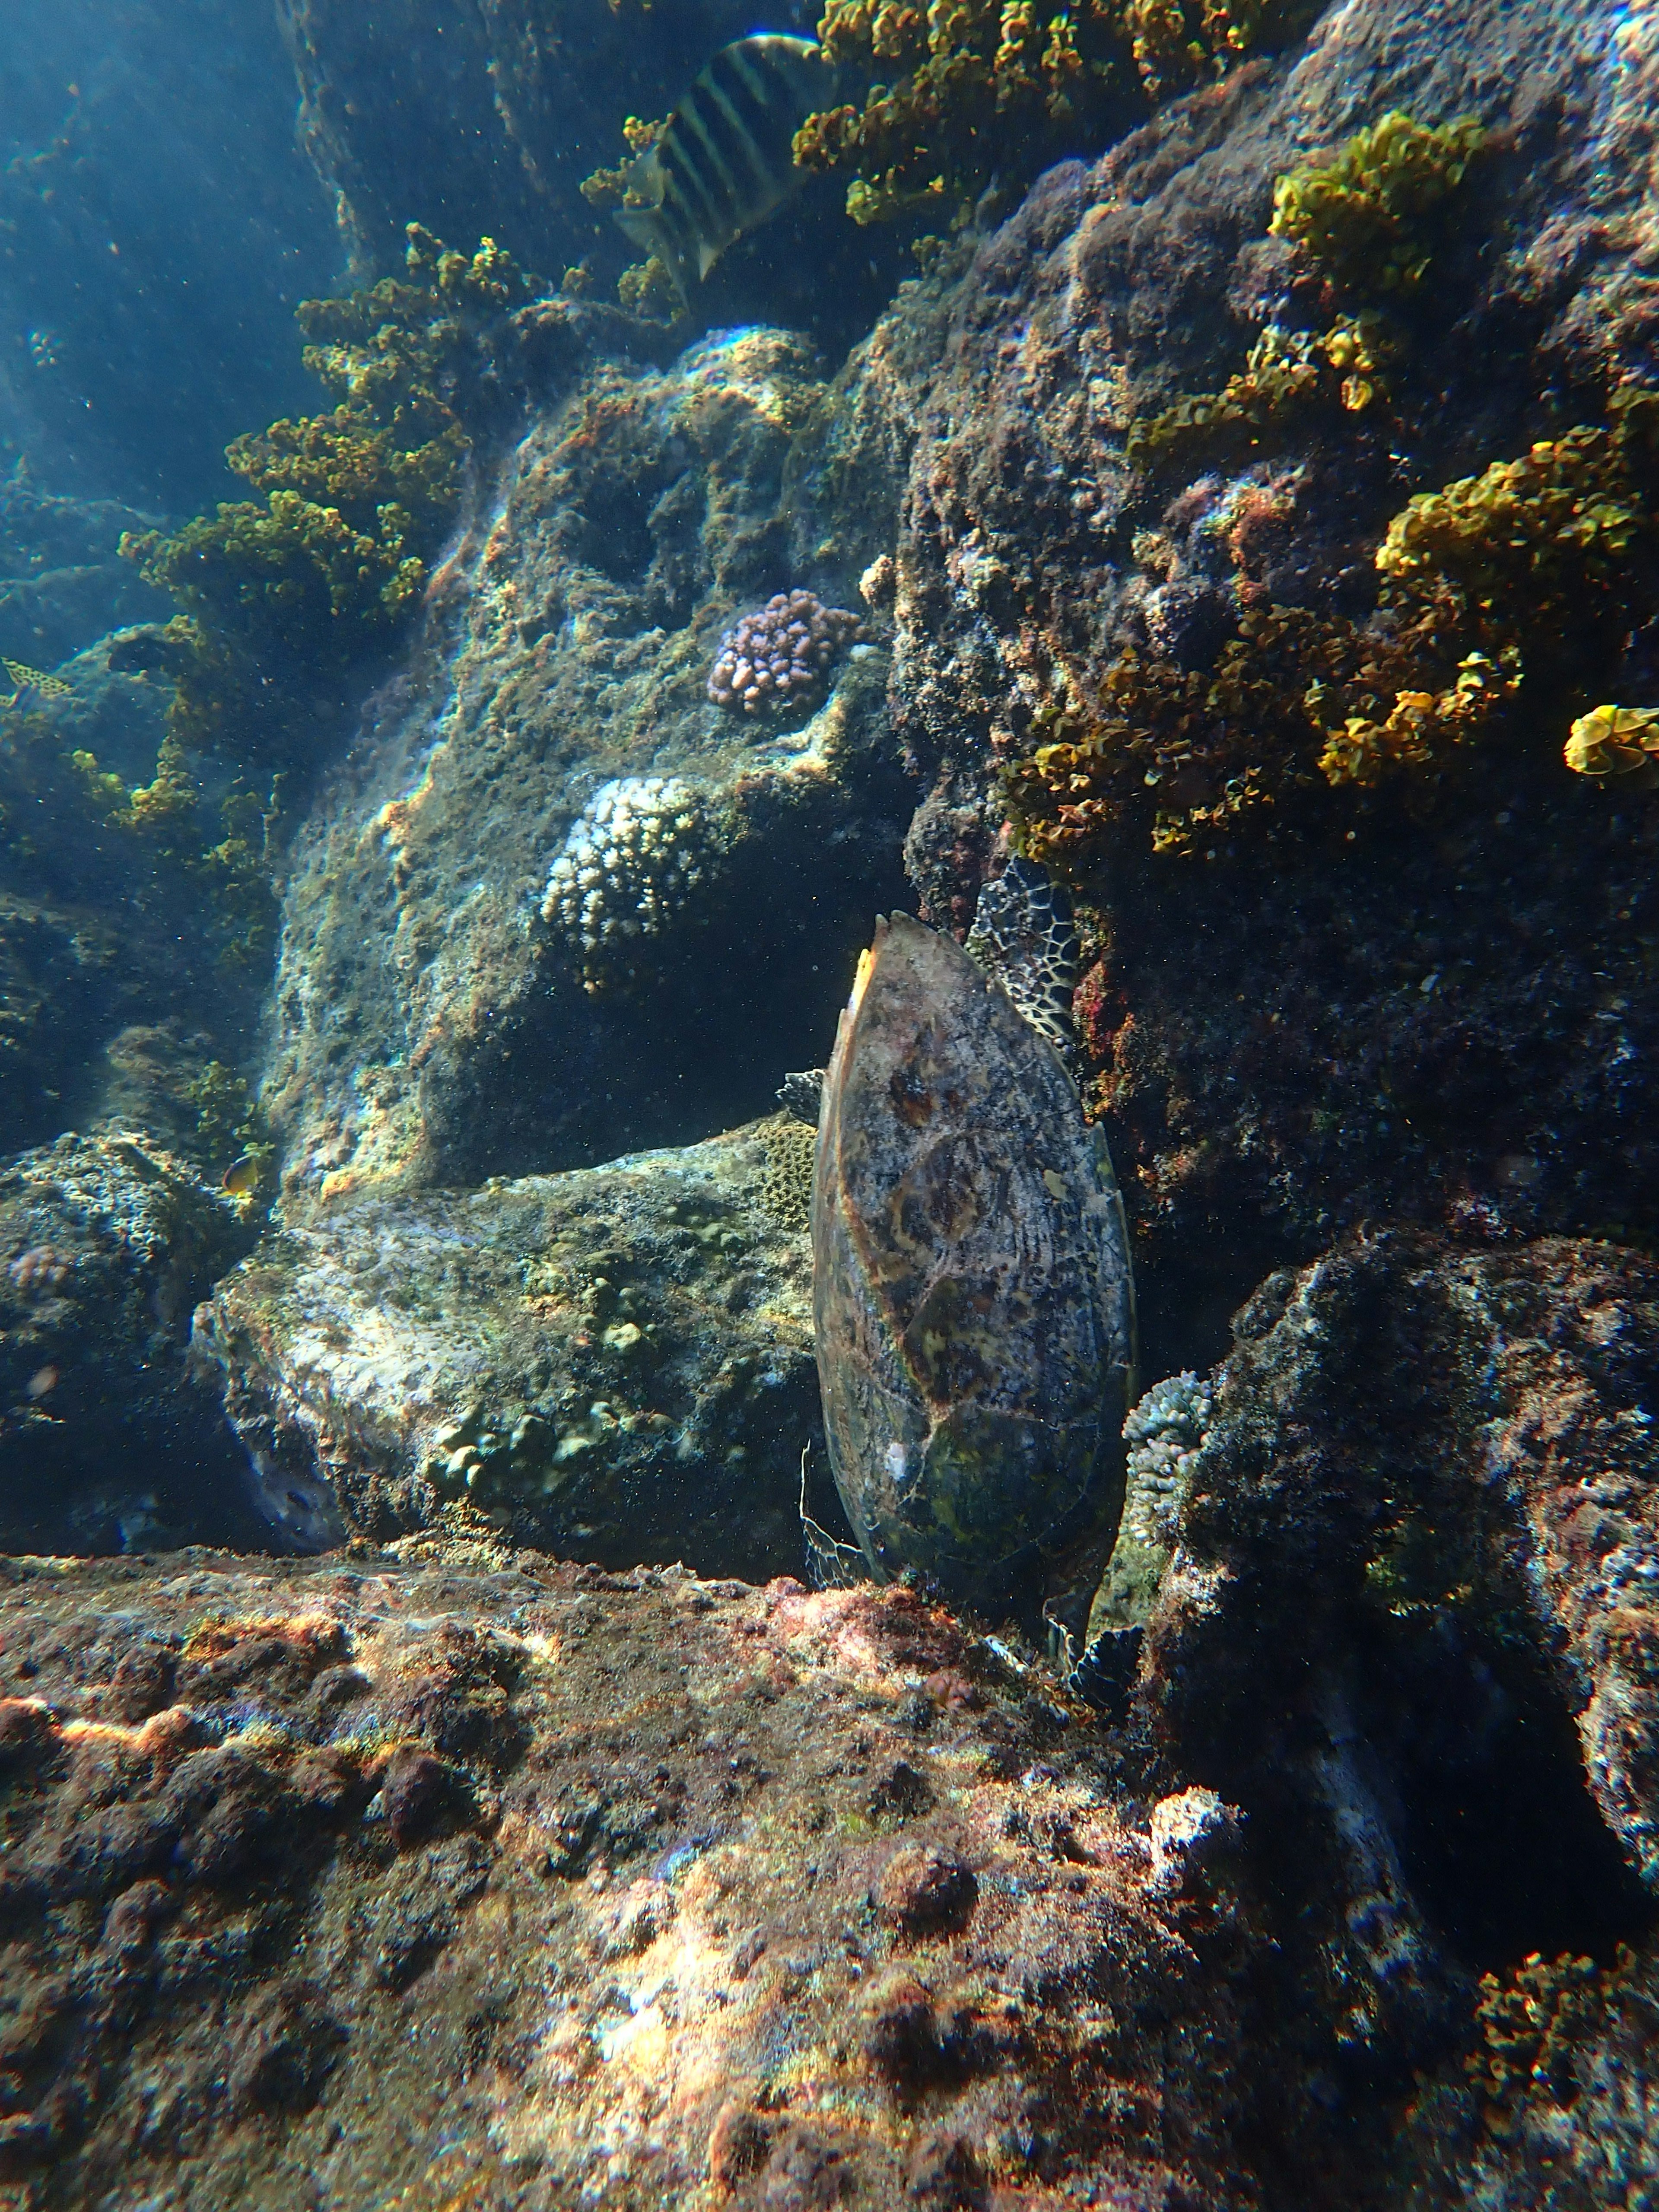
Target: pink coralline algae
{"x":42,"y":1268}
{"x":778,"y":655}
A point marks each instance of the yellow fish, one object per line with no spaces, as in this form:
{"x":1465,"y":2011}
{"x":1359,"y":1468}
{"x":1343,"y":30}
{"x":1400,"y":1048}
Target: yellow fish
{"x":243,"y":1174}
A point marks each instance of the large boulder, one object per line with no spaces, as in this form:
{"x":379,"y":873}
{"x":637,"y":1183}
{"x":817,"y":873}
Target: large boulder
{"x":1433,"y":1005}
{"x":1409,"y":1623}
{"x":615,"y":1363}
{"x":458,"y":1876}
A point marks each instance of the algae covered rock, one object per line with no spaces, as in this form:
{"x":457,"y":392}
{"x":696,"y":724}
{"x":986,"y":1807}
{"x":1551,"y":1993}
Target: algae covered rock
{"x":531,"y":1885}
{"x":106,"y":1243}
{"x":616,"y":1362}
{"x":441,"y":898}
{"x":973,"y":1311}
{"x":1408,"y":1623}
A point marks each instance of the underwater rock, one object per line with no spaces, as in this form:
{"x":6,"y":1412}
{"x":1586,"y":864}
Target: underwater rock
{"x":973,"y":1311}
{"x":654,"y":1943}
{"x":615,"y":1363}
{"x":1440,"y":1015}
{"x":1409,"y":1623}
{"x":106,"y":1243}
{"x":643,"y":509}
{"x":62,"y":584}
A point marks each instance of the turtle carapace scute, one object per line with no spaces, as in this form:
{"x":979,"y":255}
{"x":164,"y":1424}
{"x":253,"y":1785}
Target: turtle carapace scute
{"x":972,"y":1291}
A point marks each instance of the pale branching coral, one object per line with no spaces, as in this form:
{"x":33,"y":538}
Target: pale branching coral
{"x":629,"y":864}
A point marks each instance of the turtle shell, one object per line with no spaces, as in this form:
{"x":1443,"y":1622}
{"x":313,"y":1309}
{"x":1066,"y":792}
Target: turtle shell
{"x":971,"y":1284}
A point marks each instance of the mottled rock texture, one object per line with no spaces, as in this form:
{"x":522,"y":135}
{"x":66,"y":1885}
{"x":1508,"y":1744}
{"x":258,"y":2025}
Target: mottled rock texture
{"x":428,"y":1022}
{"x":1410,"y":1624}
{"x":1441,"y":1014}
{"x":616,"y":1362}
{"x":510,"y":1884}
{"x":106,"y":1243}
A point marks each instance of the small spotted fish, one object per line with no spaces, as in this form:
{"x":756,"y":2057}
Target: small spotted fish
{"x":27,"y":680}
{"x":726,"y":161}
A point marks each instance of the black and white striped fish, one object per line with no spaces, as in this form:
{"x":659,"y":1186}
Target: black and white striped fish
{"x":725,"y":161}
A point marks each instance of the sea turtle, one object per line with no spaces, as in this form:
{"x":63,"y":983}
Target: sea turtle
{"x":972,"y":1293}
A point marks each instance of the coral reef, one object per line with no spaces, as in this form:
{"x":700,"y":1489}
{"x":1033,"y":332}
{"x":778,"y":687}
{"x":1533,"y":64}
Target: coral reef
{"x":630,"y":863}
{"x":970,"y":89}
{"x":643,"y":511}
{"x":1368,"y":212}
{"x":640,"y":1387}
{"x":779,"y":656}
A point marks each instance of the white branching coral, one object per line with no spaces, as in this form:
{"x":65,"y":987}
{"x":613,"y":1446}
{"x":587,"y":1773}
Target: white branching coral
{"x":630,"y":863}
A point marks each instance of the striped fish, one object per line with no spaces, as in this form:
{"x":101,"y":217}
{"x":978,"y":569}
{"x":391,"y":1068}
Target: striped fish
{"x":726,"y":161}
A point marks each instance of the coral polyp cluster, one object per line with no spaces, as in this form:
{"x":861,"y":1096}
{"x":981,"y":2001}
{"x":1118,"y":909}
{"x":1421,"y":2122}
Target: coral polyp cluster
{"x":630,"y":862}
{"x":779,"y":655}
{"x":1366,"y":212}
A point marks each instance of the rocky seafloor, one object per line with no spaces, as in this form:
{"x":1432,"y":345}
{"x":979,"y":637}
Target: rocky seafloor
{"x":426,"y":1780}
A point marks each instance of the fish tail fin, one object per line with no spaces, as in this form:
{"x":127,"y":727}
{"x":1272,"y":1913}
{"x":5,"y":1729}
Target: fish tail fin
{"x":645,"y":227}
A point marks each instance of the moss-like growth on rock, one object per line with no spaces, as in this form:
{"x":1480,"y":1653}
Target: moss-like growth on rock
{"x":1525,"y":570}
{"x":1287,"y":373}
{"x":963,"y":87}
{"x":1368,"y":213}
{"x":311,"y":577}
